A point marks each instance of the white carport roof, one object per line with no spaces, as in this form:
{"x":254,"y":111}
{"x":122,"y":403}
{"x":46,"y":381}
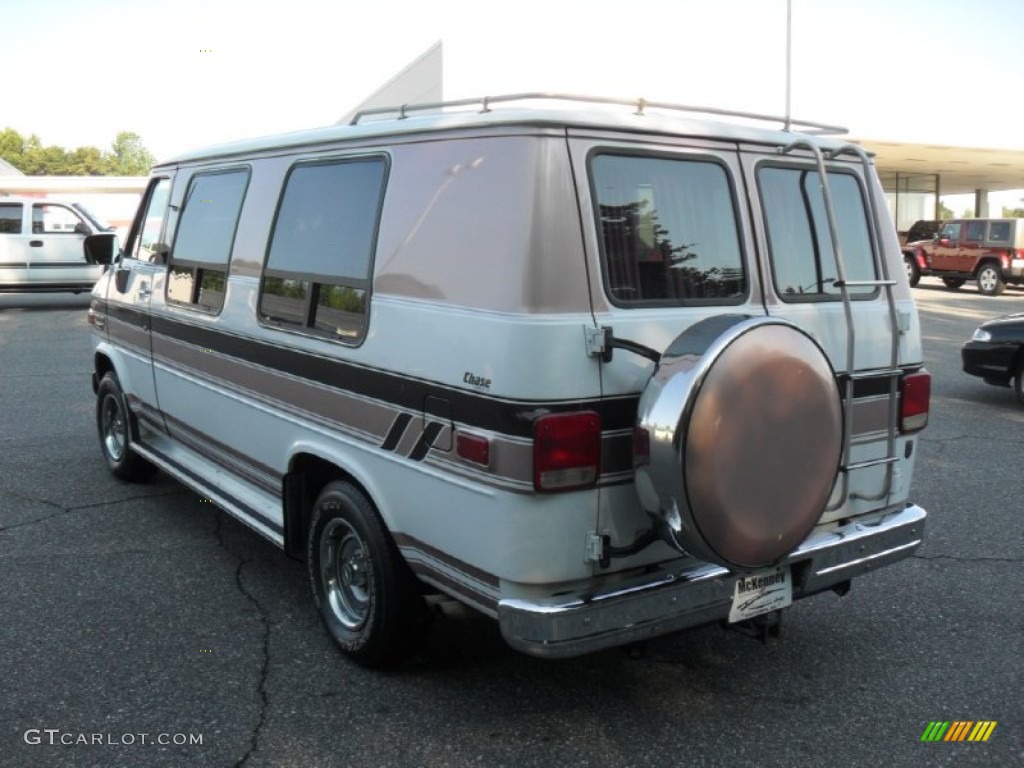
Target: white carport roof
{"x":962,"y":170}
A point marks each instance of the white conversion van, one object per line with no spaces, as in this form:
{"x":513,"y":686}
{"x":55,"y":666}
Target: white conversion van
{"x":41,"y":246}
{"x":600,"y":371}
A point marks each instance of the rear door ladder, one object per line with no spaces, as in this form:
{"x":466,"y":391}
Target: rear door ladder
{"x":843,"y":284}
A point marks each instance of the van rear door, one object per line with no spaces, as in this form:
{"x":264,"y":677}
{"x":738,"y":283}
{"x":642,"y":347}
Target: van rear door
{"x":667,"y":235}
{"x":870,"y":333}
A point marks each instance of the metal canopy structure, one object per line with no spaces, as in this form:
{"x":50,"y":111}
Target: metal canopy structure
{"x":944,"y":169}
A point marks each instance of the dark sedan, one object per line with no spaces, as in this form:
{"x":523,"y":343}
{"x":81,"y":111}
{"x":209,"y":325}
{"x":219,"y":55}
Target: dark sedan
{"x":996,"y":353}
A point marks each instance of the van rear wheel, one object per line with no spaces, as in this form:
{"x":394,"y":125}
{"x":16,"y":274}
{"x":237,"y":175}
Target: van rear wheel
{"x":1018,"y":381}
{"x":113,"y":422}
{"x":369,"y":599}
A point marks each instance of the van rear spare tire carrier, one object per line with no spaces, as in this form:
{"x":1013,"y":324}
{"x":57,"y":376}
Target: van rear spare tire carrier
{"x":744,"y":422}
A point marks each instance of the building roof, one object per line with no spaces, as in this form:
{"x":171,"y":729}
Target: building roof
{"x":6,"y":169}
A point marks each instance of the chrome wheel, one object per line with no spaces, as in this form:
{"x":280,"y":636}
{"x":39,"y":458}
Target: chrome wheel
{"x":113,"y":428}
{"x":116,"y":432}
{"x":367,"y":595}
{"x":346,"y":574}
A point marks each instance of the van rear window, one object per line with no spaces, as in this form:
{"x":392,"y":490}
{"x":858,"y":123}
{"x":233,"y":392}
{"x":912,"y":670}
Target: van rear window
{"x":799,"y":243}
{"x":668,"y":232}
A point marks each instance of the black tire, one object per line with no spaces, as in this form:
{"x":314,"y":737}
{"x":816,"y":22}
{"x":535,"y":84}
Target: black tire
{"x":913,"y":272}
{"x":990,"y":279}
{"x":953,"y":283}
{"x":1018,"y":381}
{"x":369,"y":599}
{"x":113,"y":423}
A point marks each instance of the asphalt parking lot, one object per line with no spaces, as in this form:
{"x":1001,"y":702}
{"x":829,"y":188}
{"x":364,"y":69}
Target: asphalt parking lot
{"x":143,"y":627}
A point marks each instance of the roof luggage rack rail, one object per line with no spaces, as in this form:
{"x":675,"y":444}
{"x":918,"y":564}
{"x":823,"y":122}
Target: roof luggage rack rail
{"x":484,"y":104}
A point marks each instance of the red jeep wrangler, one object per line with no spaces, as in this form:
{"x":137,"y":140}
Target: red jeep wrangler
{"x":990,"y":251}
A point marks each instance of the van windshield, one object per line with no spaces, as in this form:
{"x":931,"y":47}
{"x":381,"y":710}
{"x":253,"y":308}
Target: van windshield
{"x":668,"y":232}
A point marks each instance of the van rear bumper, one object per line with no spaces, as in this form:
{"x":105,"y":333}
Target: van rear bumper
{"x":670,"y":601}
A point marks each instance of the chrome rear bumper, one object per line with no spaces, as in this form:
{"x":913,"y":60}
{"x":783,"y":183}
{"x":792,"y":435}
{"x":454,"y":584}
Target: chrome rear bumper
{"x":668,"y":601}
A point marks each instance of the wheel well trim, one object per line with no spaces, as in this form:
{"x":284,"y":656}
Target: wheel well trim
{"x":306,"y":460}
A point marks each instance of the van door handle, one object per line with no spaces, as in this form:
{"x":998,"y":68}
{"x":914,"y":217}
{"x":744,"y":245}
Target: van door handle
{"x":144,"y":290}
{"x":35,"y":243}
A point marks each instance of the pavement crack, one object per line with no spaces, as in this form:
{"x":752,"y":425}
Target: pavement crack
{"x":942,"y":441}
{"x":254,"y":739}
{"x":261,"y":688}
{"x":958,"y":559}
{"x":61,"y":511}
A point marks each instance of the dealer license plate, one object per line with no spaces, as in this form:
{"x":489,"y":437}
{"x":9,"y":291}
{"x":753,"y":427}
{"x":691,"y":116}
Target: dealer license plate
{"x":761,"y":592}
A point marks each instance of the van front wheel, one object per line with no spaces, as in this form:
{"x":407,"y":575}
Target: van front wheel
{"x":113,"y":422}
{"x":368,"y":597}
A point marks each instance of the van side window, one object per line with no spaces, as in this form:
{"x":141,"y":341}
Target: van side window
{"x":147,"y":245}
{"x":48,"y":219}
{"x":799,"y":243}
{"x":667,"y":230}
{"x":317,"y":274}
{"x":206,"y":233}
{"x":10,"y":218}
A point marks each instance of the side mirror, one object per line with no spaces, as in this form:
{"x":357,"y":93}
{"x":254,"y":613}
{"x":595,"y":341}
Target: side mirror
{"x":81,"y":228}
{"x":101,"y":248}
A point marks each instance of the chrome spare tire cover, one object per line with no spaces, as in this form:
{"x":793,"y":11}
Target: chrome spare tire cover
{"x":745,"y":429}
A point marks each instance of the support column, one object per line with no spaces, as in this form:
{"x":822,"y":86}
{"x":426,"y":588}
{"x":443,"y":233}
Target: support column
{"x":981,"y":203}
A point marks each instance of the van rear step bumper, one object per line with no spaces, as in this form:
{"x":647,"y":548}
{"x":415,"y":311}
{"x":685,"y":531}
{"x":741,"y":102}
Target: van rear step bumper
{"x":666,"y":602}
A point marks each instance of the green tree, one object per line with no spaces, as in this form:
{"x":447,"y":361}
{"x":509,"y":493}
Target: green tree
{"x":130,"y":158}
{"x":1013,"y":213}
{"x":945,"y":212}
{"x":12,"y":147}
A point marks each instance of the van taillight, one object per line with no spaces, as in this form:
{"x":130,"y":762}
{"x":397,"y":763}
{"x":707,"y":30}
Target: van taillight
{"x":915,"y":394}
{"x":566,"y":451}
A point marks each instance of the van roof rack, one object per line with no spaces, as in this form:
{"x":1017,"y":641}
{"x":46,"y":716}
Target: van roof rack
{"x":485,"y":102}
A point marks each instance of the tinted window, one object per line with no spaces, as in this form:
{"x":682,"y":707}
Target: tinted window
{"x":327,"y":219}
{"x":317,"y":275}
{"x":800,"y":245}
{"x":209,"y":218}
{"x":975,"y":231}
{"x":147,"y":244}
{"x":951,"y":231}
{"x":667,"y":230}
{"x":206,"y":233}
{"x":999,"y":232}
{"x":10,"y":218}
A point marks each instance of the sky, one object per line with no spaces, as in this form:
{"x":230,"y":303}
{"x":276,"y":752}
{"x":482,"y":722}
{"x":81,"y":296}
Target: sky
{"x":188,"y":73}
